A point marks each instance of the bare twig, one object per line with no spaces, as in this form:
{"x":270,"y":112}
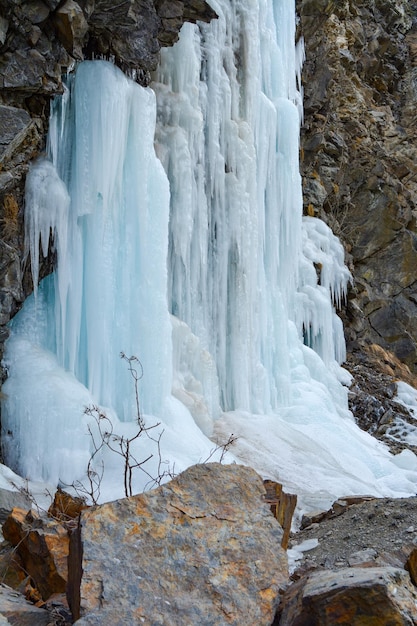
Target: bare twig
{"x":224,"y":447}
{"x":103,"y":437}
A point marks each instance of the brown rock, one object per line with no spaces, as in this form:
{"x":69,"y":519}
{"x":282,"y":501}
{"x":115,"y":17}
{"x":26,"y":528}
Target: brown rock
{"x":282,"y":506}
{"x":353,"y":597}
{"x":202,"y":549}
{"x":411,"y":566}
{"x":43,"y":546}
{"x":66,"y":507}
{"x":12,"y":571}
{"x":71,"y":27}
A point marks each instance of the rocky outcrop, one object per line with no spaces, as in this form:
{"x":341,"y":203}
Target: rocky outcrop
{"x":373,"y":397}
{"x":205,"y":549}
{"x":202,"y":549}
{"x":41,"y":38}
{"x":133,"y":32}
{"x":359,"y":157}
{"x":380,"y":595}
{"x":39,"y":41}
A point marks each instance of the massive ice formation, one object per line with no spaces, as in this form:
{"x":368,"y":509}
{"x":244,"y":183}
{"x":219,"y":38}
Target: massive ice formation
{"x":206,"y":272}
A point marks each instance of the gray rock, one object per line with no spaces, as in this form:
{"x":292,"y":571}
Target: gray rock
{"x":202,"y":549}
{"x":4,"y":27}
{"x":11,"y":499}
{"x":168,"y":9}
{"x":128,"y":31}
{"x":134,"y":31}
{"x":362,"y":557}
{"x":6,"y":180}
{"x":52,"y":4}
{"x":354,"y":596}
{"x":198,"y":10}
{"x":22,"y":71}
{"x":363,"y":532}
{"x":14,"y":125}
{"x":35,"y":11}
{"x":16,"y":610}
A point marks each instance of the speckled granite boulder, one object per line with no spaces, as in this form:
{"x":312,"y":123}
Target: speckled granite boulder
{"x":202,"y":549}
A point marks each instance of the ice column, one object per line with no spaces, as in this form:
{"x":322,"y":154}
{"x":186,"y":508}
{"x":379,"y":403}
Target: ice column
{"x":229,"y":111}
{"x":109,"y":292}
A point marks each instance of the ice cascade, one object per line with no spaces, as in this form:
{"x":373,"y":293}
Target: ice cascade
{"x":199,"y":263}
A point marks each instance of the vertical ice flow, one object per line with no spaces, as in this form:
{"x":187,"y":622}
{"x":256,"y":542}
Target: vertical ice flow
{"x":108,"y":293}
{"x":229,"y":110}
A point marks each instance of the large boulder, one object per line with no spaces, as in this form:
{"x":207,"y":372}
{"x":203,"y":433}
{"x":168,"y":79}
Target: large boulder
{"x":353,"y":597}
{"x":202,"y":549}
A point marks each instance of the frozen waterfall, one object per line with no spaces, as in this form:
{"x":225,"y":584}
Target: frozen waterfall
{"x":186,"y":247}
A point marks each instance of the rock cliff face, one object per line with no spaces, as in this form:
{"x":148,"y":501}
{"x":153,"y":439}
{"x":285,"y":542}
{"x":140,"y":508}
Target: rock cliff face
{"x":39,"y":41}
{"x":359,"y":157}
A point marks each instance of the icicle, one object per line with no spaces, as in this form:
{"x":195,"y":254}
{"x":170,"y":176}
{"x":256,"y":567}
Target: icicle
{"x":323,"y":281}
{"x":46,"y":214}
